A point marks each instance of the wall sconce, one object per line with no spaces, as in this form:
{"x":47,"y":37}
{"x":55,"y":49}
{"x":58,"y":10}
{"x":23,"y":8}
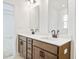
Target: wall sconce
{"x":32,"y":1}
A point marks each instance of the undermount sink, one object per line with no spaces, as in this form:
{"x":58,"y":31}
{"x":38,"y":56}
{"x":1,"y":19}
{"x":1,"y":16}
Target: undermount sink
{"x":58,"y":38}
{"x":48,"y":38}
{"x":45,"y":38}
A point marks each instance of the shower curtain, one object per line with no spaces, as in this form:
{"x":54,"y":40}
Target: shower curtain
{"x":8,"y":31}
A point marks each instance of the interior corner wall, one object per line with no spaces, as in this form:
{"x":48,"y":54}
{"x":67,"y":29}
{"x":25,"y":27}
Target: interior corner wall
{"x":22,"y":17}
{"x":72,"y":26}
{"x":43,"y":16}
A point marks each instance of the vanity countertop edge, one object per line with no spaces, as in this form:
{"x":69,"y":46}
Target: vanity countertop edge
{"x":58,"y":42}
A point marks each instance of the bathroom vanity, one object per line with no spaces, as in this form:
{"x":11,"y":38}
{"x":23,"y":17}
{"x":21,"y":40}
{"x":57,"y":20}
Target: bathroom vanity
{"x":34,"y":47}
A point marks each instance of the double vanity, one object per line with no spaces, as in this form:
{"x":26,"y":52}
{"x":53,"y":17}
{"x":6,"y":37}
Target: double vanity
{"x":43,"y":47}
{"x":49,"y":16}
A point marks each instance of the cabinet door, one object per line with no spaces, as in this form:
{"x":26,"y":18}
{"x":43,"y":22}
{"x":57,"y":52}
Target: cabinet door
{"x":24,"y":50}
{"x":21,"y":47}
{"x":50,"y":56}
{"x":18,"y":45}
{"x":36,"y":53}
{"x":64,"y":51}
{"x":29,"y":48}
{"x":41,"y":54}
{"x":46,"y":55}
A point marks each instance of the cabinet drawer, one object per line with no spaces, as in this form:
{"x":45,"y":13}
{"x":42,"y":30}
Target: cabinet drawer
{"x":49,"y":56}
{"x":29,"y":56}
{"x":41,"y":54}
{"x":29,"y":41}
{"x":45,"y":46}
{"x":20,"y":48}
{"x":24,"y":50}
{"x":22,"y":38}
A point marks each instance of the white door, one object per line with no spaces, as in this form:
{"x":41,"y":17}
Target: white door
{"x":8,"y":30}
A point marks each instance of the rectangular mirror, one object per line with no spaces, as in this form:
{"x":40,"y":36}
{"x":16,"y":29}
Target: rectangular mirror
{"x":34,"y":18}
{"x":58,"y":16}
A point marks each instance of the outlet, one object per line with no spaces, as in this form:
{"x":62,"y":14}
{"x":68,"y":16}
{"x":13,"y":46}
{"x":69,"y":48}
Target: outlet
{"x":65,"y":51}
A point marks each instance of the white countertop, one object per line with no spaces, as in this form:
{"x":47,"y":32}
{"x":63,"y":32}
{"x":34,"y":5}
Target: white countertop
{"x":48,"y":39}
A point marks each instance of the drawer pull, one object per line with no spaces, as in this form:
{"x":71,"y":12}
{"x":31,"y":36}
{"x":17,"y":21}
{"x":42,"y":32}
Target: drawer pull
{"x":42,"y":54}
{"x":21,"y":43}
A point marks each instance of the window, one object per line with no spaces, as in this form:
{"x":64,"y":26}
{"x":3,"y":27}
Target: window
{"x":65,"y":21}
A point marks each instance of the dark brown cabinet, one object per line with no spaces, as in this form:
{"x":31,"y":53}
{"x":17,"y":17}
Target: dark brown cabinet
{"x":30,"y":48}
{"x":47,"y":51}
{"x":24,"y":50}
{"x":25,"y":47}
{"x":22,"y":46}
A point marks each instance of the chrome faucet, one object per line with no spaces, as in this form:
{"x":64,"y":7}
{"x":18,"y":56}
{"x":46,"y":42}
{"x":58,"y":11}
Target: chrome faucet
{"x":55,"y":34}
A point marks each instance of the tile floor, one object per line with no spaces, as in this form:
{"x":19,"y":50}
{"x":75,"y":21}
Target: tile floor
{"x":18,"y":57}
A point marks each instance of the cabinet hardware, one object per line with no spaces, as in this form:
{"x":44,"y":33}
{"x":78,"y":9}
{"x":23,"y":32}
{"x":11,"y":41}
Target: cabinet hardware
{"x":42,"y":54}
{"x":21,"y":43}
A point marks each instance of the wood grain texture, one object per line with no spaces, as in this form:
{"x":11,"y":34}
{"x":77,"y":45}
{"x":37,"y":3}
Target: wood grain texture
{"x":41,"y":50}
{"x":42,"y":55}
{"x":61,"y":51}
{"x":48,"y":47}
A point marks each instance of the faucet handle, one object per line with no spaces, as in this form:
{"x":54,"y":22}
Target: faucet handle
{"x":57,"y":31}
{"x":52,"y":30}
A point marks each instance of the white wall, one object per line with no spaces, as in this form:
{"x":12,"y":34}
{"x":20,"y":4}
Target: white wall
{"x":43,"y":16}
{"x":22,"y":17}
{"x":72,"y":26}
